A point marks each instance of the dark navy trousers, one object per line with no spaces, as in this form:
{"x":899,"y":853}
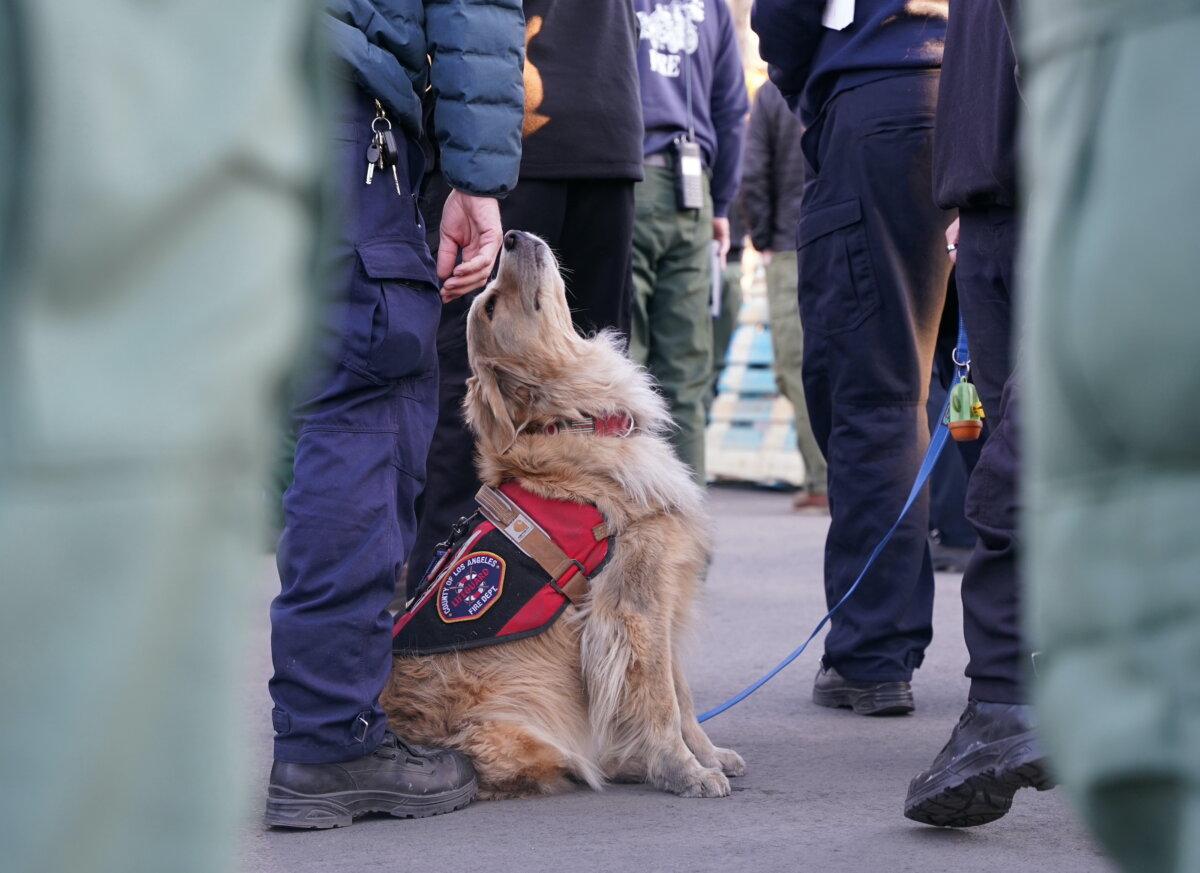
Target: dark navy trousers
{"x":363,"y":426}
{"x":990,"y":590}
{"x":873,"y":276}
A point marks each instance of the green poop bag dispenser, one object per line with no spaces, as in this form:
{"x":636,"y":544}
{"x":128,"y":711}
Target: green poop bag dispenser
{"x":965,"y":417}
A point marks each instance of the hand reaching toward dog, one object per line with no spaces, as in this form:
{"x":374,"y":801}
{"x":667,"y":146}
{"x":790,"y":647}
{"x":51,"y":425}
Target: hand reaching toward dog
{"x":471,"y":225}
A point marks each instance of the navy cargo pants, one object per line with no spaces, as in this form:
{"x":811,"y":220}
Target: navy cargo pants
{"x":990,"y":591}
{"x":873,"y":278}
{"x":363,"y":426}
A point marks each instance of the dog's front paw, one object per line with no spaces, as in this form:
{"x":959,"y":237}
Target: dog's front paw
{"x":703,"y":782}
{"x":731,"y":762}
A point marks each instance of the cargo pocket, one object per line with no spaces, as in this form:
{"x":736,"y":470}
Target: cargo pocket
{"x":394,"y":313}
{"x":837,"y":283}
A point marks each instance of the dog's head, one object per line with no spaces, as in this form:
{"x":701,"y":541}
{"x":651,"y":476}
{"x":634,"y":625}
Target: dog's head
{"x":523,"y":311}
{"x":520,"y":342}
{"x":530,"y":368}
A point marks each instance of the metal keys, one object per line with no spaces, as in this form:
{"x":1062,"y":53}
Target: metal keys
{"x":374,"y":156}
{"x":391,"y":156}
{"x":383,"y":151}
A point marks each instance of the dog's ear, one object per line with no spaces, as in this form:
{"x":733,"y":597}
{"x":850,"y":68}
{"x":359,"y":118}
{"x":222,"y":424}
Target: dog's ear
{"x":488,"y":413}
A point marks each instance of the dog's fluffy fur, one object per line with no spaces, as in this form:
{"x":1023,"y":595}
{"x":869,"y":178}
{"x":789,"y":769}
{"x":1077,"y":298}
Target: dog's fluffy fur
{"x":601,"y":695}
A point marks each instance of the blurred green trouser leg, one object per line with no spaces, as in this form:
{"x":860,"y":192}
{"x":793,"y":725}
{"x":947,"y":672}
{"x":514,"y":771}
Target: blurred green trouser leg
{"x":155,"y":256}
{"x":787,"y":348}
{"x":725,"y":324}
{"x":1112,"y":268}
{"x":672,"y":322}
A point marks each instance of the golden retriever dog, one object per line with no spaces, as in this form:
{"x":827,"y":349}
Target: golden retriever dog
{"x":601,"y":695}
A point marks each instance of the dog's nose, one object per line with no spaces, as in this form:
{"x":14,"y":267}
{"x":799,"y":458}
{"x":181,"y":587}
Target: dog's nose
{"x":510,"y":240}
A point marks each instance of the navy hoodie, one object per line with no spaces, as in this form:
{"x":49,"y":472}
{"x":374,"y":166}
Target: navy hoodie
{"x":812,"y":64}
{"x":698,"y":33}
{"x":975,"y":138}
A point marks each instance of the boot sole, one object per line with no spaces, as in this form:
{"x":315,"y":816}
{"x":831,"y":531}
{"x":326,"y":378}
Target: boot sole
{"x":291,"y":809}
{"x":890,"y":698}
{"x":980,"y":797}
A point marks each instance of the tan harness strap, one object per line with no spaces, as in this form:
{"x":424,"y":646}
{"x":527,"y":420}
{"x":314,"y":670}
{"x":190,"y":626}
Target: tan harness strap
{"x":527,"y":535}
{"x":576,"y":587}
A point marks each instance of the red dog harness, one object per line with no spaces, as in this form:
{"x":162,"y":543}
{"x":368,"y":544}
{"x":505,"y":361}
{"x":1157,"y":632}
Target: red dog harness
{"x":509,"y":576}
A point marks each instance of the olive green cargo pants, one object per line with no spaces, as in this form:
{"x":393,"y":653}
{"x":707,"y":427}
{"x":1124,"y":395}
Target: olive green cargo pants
{"x":672,"y":333}
{"x":154,"y":172}
{"x":787,"y":349}
{"x":724,"y":325}
{"x":1112,"y":269}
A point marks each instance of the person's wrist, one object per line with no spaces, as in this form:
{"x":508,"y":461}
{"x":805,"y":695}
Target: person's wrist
{"x":465,"y":192}
{"x":482,"y":202}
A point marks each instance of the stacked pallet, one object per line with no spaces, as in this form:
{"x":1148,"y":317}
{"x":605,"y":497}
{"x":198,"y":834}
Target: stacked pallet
{"x":751,"y":431}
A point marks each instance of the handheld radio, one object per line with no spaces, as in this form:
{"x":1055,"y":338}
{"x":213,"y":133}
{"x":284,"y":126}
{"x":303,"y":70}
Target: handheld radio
{"x":689,"y":161}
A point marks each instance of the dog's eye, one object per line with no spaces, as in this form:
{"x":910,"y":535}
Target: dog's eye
{"x":490,"y":307}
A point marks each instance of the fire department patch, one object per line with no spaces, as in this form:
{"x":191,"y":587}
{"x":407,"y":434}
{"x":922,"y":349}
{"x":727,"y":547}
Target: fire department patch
{"x":471,"y":588}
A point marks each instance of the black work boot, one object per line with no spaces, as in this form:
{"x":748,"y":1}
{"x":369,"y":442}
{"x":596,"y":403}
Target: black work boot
{"x":402,"y":780}
{"x":865,"y":698}
{"x":992,"y":752}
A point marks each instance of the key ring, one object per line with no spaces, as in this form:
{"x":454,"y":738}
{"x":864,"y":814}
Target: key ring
{"x":965,"y":366}
{"x":380,"y":115}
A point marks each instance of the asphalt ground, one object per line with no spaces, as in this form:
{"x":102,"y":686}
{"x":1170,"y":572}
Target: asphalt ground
{"x":824,"y":789}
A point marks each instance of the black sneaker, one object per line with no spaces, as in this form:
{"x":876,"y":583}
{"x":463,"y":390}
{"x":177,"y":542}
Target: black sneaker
{"x":401,"y":780}
{"x":992,"y":753}
{"x":865,"y":698}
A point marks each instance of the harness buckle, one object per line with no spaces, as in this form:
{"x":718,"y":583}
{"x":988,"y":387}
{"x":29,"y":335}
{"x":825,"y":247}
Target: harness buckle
{"x":580,"y":575}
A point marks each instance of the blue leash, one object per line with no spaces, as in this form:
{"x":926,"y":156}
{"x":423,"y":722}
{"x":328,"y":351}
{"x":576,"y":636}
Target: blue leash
{"x":936,"y":444}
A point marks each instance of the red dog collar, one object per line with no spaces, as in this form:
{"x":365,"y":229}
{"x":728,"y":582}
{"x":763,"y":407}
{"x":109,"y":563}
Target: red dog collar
{"x":620,"y":425}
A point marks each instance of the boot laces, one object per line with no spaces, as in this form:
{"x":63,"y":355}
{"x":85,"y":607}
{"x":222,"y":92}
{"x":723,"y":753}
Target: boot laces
{"x":393,"y":741}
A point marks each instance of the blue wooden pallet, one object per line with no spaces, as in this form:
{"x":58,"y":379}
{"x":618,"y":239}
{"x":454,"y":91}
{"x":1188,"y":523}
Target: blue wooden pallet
{"x":747,"y":381}
{"x":750,"y":345}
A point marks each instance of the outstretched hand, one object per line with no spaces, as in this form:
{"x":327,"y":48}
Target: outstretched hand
{"x":471,"y":225}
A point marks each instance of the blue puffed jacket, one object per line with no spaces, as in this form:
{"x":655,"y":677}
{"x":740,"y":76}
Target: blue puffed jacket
{"x":470,"y":52}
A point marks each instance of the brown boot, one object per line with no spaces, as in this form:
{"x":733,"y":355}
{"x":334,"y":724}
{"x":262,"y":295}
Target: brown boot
{"x":812,"y":504}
